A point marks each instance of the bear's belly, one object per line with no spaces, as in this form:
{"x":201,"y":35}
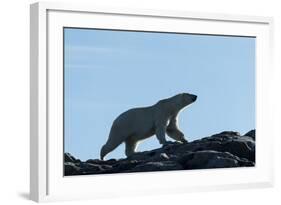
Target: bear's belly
{"x":143,"y":134}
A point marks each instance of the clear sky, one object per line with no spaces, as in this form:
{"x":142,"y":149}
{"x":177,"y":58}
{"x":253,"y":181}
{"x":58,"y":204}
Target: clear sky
{"x":108,"y":72}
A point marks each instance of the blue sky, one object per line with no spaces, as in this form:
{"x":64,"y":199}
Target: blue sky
{"x":108,"y":72}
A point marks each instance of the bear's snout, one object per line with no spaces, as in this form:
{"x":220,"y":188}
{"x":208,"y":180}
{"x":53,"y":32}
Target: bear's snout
{"x":194,"y":97}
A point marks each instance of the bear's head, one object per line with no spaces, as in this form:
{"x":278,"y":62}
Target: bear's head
{"x":187,"y":99}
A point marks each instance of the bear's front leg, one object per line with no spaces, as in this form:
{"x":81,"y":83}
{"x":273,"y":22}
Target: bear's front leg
{"x":174,"y":132}
{"x":176,"y":135}
{"x":160,"y":134}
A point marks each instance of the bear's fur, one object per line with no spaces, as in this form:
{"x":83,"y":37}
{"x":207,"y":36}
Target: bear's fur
{"x":138,"y":124}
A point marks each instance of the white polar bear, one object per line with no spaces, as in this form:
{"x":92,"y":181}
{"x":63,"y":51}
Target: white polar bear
{"x":138,"y":124}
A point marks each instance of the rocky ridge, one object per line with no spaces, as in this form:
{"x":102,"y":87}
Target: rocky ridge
{"x":223,"y":150}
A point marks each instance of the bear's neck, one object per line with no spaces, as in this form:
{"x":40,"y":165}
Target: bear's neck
{"x":172,"y":108}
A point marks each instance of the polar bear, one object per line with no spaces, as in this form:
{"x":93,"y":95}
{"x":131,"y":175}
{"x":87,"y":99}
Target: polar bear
{"x":138,"y":124}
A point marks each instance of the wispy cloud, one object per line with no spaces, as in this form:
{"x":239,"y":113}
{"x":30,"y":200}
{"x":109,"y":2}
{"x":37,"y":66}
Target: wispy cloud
{"x":79,"y":66}
{"x":90,"y":49}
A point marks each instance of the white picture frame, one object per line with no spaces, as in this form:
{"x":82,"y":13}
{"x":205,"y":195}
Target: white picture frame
{"x":46,"y":141}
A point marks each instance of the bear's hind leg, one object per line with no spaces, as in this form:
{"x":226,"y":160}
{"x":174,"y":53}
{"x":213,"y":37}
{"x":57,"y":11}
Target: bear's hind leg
{"x":110,"y":145}
{"x":104,"y":151}
{"x":130,"y":148}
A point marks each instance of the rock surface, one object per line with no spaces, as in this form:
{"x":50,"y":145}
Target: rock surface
{"x":223,"y":150}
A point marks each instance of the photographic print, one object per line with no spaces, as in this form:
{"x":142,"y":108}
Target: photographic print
{"x":140,"y":101}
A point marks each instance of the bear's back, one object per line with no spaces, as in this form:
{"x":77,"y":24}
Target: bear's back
{"x":134,"y":115}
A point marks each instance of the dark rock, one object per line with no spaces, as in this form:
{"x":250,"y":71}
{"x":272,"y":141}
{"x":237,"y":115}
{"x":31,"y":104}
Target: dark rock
{"x":141,"y":156}
{"x":69,"y":158}
{"x":251,"y":134}
{"x":126,"y":165}
{"x":232,"y":142}
{"x":97,"y":161}
{"x":208,"y":159}
{"x":154,"y":155}
{"x":223,"y":150}
{"x":157,"y":166}
{"x":164,"y":156}
{"x":92,"y":167}
{"x":240,"y":148}
{"x":71,"y":169}
{"x":228,"y":133}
